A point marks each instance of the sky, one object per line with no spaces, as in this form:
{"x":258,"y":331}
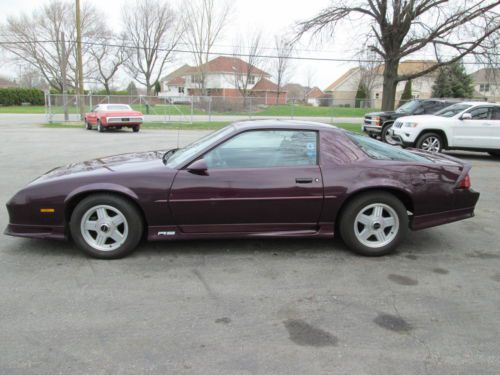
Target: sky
{"x":273,"y":17}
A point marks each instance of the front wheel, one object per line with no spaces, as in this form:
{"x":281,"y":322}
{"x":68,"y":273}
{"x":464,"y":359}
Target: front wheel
{"x":106,"y":226}
{"x":431,"y":142}
{"x":373,"y":224}
{"x":386,"y":137}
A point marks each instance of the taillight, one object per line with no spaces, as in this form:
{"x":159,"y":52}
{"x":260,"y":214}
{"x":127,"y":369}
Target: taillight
{"x":465,"y":183}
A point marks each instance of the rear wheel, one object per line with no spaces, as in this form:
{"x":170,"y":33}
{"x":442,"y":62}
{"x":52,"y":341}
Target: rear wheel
{"x":373,"y":224}
{"x":100,"y":128}
{"x":135,"y":128}
{"x":495,"y":154}
{"x":432,"y":142}
{"x":106,"y":226}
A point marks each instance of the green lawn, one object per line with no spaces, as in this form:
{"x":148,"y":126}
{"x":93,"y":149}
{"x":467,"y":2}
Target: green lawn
{"x":185,"y":110}
{"x":185,"y":126}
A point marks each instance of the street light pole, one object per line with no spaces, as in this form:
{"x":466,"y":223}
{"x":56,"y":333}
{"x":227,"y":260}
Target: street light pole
{"x":79,"y":58}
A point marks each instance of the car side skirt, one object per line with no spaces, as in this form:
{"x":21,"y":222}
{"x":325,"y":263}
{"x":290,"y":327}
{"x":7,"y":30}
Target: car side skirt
{"x":165,"y":233}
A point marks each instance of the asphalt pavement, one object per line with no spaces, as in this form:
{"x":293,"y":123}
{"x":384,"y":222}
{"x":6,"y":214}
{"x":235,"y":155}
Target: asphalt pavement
{"x":244,"y":306}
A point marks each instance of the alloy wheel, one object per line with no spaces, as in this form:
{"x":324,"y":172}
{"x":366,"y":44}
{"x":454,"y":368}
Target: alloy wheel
{"x":104,"y":228}
{"x":432,"y":144}
{"x":376,"y":225}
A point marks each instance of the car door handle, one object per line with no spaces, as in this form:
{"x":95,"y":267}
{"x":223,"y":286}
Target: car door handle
{"x":304,"y":180}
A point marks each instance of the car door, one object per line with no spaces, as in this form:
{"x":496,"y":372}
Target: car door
{"x":475,"y":132}
{"x":257,"y":181}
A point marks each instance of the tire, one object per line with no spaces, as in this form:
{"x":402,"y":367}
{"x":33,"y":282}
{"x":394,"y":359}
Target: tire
{"x":88,"y":126}
{"x":432,"y":142}
{"x":385,"y":135}
{"x":135,"y":128}
{"x":106,"y":226}
{"x":365,"y":208}
{"x":100,"y":128}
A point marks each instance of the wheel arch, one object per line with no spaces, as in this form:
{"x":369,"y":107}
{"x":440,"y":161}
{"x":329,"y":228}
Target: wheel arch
{"x":399,"y":193}
{"x":441,"y":132}
{"x":74,"y":198}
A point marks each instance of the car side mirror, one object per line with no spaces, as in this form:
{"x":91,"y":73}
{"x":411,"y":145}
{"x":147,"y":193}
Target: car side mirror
{"x":199,"y":167}
{"x":466,"y":116}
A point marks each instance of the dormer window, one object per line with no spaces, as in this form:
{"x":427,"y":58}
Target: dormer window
{"x":251,"y":80}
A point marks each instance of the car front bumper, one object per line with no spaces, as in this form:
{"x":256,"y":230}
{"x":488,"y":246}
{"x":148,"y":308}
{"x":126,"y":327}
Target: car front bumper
{"x":36,"y":231}
{"x":402,"y":139}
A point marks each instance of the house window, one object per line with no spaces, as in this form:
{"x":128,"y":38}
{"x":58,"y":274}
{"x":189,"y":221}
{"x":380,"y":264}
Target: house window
{"x":484,"y":87}
{"x":180,"y":90}
{"x":196,"y":79}
{"x":251,"y":80}
{"x":377,"y":95}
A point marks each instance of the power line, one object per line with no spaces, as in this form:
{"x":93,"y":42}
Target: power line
{"x":218,"y":53}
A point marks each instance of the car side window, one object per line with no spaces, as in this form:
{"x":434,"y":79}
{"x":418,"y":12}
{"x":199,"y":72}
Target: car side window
{"x":480,"y":113}
{"x":496,"y":113}
{"x":265,"y":149}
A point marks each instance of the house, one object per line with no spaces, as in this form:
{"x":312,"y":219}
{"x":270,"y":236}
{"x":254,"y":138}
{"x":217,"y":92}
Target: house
{"x":344,"y":89}
{"x":223,"y":77}
{"x":487,"y":84}
{"x":296,"y":92}
{"x":317,"y":98}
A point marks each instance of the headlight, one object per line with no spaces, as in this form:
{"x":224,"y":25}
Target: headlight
{"x":410,"y":124}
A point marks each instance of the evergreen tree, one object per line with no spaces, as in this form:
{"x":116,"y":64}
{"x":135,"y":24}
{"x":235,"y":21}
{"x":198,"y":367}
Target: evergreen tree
{"x":453,"y":82}
{"x":157,"y":87}
{"x":361,"y":96}
{"x":132,"y":89}
{"x":407,"y":95}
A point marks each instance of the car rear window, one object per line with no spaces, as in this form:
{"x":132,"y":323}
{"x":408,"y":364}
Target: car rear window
{"x":382,"y":151}
{"x":118,"y":107}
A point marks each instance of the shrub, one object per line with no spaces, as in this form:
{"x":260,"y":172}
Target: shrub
{"x":18,"y":96}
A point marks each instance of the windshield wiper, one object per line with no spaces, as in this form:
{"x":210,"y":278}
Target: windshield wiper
{"x":168,"y":154}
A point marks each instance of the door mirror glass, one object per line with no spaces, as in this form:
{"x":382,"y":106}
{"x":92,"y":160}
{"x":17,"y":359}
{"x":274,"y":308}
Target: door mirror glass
{"x":198,"y":167}
{"x":467,"y":116}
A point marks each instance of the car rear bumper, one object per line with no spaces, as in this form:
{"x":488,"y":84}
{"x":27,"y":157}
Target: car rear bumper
{"x":124,"y":121}
{"x":36,"y":231}
{"x":463,"y":198}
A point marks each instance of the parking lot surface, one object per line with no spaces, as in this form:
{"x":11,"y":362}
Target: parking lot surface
{"x":247,"y":306}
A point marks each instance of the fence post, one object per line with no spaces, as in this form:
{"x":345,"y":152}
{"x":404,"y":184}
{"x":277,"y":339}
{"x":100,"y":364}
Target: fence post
{"x":90,"y":101}
{"x":192,"y":108}
{"x":210,"y":109}
{"x":49,"y":109}
{"x":250,"y":108}
{"x":293,"y":108}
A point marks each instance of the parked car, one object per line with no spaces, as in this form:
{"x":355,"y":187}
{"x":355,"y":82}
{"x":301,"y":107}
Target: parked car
{"x":115,"y":116}
{"x":377,"y":124}
{"x":473,"y":126}
{"x":252,"y":179}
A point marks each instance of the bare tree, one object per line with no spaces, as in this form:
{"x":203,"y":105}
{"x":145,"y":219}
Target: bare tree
{"x":153,"y":32}
{"x":310,"y":77}
{"x":35,"y":39}
{"x":282,"y":64}
{"x":400,"y":28}
{"x":204,"y":22}
{"x":368,"y":73}
{"x":247,"y":56}
{"x":108,"y":58}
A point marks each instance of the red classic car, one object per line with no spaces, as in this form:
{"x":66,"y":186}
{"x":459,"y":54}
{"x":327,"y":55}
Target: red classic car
{"x":116,"y":116}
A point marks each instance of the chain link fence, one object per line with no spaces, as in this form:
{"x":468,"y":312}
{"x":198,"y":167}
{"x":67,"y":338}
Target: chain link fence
{"x":188,"y":109}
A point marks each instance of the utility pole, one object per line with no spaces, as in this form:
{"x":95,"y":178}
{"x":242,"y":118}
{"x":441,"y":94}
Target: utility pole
{"x":64,"y":69}
{"x":79,"y":58}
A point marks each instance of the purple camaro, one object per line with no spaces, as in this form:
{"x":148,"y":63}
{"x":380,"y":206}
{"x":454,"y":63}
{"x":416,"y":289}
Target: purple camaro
{"x":250,"y":179}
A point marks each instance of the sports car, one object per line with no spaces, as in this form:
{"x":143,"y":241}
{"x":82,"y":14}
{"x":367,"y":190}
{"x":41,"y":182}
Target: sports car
{"x":113,"y":116}
{"x":264,"y":178}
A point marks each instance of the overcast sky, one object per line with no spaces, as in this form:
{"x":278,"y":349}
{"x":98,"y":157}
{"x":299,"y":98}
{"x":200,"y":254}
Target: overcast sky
{"x":271,"y":16}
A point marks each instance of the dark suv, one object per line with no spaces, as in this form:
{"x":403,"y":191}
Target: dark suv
{"x":377,"y":124}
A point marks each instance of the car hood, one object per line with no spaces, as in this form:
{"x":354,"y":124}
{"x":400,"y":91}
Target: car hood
{"x":420,"y":119}
{"x":386,"y":113}
{"x":115,"y":163}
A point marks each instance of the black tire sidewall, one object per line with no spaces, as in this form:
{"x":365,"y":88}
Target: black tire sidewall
{"x":422,"y":138}
{"x":353,"y":208}
{"x":132,"y":215}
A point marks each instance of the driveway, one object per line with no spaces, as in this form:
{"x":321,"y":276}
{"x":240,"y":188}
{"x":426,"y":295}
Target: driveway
{"x":248,"y":306}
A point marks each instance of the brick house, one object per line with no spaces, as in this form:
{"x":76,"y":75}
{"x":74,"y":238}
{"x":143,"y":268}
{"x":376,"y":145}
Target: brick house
{"x":223,"y":78}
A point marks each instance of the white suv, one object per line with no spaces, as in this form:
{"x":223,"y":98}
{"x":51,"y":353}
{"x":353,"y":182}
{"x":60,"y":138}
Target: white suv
{"x":471,"y":126}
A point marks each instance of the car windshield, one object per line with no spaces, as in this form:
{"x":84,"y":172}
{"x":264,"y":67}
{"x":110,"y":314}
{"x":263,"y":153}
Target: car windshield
{"x":382,"y":151}
{"x":184,"y":154}
{"x":452,"y":110}
{"x":118,"y":107}
{"x":408,"y":107}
